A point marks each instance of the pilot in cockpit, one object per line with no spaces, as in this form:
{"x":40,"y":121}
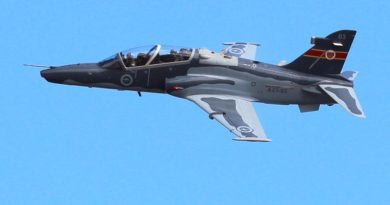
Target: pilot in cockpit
{"x":129,"y":60}
{"x":175,"y":55}
{"x":141,"y":59}
{"x":185,"y":52}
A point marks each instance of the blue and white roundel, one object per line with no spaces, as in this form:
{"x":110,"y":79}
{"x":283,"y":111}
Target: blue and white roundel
{"x":126,"y":80}
{"x":244,"y":129}
{"x":236,"y":51}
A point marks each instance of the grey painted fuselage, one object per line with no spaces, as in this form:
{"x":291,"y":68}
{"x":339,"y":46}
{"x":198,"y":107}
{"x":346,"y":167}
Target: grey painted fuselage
{"x":225,"y":84}
{"x":249,"y":79}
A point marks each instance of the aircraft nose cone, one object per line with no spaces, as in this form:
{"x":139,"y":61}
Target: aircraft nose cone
{"x":53,"y":75}
{"x":74,"y":74}
{"x":44,"y":73}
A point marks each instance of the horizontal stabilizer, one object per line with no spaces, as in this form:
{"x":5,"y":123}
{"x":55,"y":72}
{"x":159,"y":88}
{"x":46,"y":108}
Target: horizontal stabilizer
{"x":349,"y":75}
{"x":346,"y":97}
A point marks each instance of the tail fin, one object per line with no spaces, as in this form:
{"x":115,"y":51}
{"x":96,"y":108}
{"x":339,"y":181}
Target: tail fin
{"x":327,"y":56}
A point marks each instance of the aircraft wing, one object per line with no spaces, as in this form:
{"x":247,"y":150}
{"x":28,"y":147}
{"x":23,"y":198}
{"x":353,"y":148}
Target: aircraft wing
{"x":236,"y":114}
{"x":241,"y":50}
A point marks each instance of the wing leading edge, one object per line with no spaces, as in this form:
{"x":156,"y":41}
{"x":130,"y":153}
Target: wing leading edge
{"x":236,"y":114}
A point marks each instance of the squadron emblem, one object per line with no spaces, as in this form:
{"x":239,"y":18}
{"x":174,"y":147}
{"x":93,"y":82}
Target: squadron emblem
{"x":330,"y":54}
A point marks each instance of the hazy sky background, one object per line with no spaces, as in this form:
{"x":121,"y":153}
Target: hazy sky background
{"x":74,"y":145}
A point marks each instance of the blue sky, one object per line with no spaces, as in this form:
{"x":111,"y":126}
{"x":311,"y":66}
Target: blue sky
{"x":74,"y":145}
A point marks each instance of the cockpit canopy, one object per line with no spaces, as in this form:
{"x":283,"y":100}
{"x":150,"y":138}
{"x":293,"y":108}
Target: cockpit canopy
{"x":148,"y":55}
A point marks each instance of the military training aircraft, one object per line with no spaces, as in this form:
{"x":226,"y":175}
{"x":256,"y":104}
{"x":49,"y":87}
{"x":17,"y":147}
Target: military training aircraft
{"x":224,"y":84}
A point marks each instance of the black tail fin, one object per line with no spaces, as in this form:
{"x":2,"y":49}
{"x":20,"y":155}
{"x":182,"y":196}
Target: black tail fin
{"x":327,"y":56}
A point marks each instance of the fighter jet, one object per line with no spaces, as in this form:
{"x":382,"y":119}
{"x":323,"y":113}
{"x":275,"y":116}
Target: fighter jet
{"x":225,"y":84}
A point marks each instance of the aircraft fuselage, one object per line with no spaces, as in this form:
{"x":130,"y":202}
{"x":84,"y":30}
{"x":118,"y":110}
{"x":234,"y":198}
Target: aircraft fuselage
{"x":250,"y":79}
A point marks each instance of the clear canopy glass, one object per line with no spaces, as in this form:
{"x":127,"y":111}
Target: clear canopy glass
{"x":148,"y":55}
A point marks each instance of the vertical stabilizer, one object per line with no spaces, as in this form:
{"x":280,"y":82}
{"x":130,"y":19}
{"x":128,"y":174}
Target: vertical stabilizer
{"x":327,"y":56}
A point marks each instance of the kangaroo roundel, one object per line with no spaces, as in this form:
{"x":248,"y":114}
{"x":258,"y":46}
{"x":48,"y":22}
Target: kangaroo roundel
{"x":126,"y":80}
{"x":244,"y":129}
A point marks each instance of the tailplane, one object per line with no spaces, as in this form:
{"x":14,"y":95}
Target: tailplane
{"x":345,"y":96}
{"x":349,"y":75}
{"x":327,"y":56}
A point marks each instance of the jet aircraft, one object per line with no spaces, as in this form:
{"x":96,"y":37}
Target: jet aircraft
{"x":225,"y":84}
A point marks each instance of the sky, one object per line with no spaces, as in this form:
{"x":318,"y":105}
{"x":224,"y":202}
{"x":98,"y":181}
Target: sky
{"x":75,"y":145}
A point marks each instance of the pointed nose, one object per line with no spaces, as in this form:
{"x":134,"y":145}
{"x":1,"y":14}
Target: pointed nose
{"x":74,"y":74}
{"x":54,"y":75}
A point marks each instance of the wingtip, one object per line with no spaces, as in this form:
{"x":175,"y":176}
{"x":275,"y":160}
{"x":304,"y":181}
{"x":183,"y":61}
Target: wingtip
{"x":252,"y":139}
